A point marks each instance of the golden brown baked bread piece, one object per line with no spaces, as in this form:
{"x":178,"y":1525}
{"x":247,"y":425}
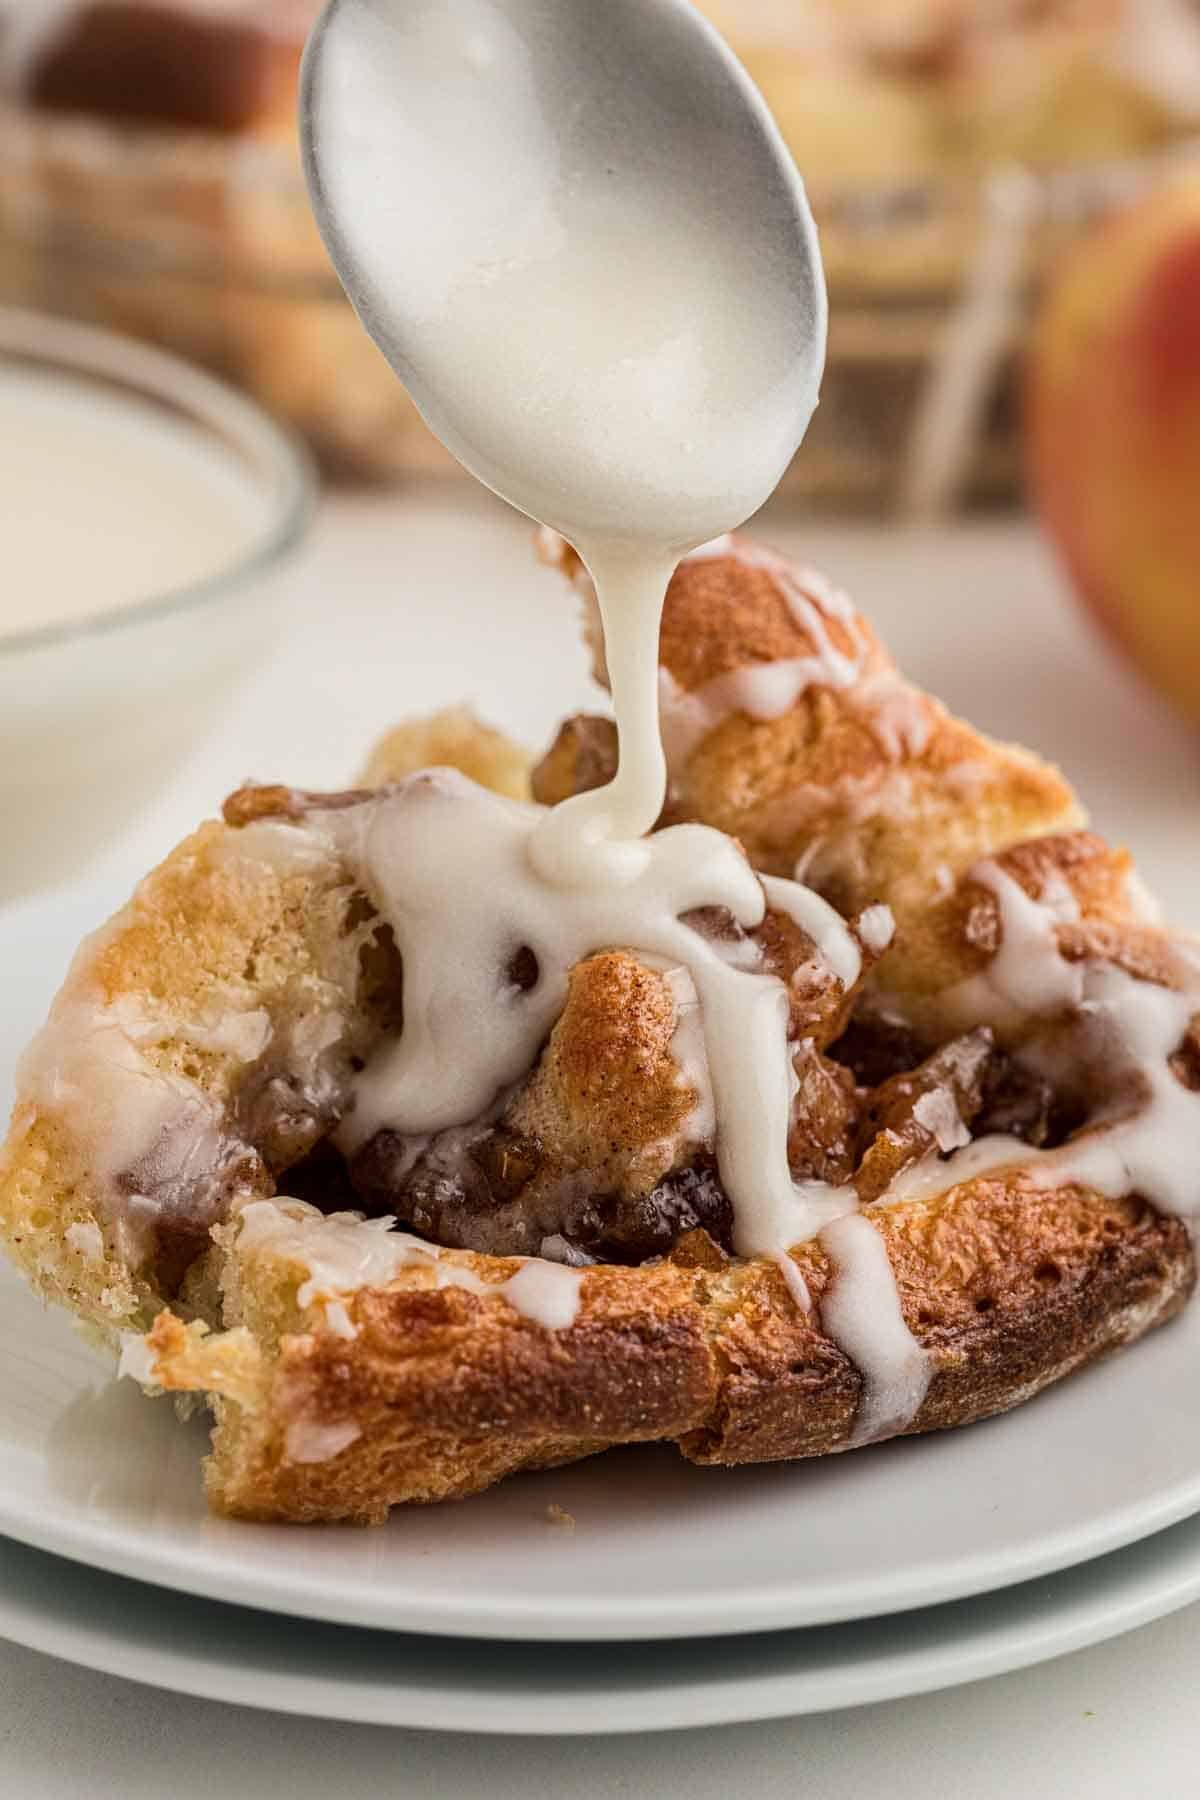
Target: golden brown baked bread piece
{"x":442,"y":1392}
{"x":565,"y":1277}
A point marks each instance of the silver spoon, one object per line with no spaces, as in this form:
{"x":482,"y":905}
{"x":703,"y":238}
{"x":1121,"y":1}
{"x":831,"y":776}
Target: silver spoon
{"x":551,"y":215}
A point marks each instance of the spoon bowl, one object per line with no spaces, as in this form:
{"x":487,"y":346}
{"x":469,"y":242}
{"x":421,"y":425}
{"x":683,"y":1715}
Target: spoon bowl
{"x":576,"y":234}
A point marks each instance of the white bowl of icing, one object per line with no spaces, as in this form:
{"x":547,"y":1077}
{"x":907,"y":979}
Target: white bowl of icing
{"x":148,"y":512}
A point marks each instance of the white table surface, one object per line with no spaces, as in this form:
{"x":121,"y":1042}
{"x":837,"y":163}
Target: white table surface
{"x":445,"y":577}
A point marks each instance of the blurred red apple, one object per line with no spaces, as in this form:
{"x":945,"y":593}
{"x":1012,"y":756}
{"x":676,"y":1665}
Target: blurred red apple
{"x":1113,"y":417}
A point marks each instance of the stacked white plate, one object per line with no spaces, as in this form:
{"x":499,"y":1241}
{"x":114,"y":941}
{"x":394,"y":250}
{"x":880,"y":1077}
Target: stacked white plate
{"x":627,"y":1593}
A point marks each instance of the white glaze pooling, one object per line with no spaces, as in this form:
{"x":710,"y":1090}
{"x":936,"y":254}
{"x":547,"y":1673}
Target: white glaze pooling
{"x":469,"y":1032}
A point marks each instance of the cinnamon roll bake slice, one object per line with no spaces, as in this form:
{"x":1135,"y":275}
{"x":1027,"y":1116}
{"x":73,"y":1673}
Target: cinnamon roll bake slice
{"x":422,"y":1176}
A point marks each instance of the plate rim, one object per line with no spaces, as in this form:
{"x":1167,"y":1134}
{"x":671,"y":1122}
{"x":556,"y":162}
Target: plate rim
{"x":785,"y":1606}
{"x":1042,"y":1619}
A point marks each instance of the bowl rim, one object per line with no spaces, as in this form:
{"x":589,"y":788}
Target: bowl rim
{"x":197,"y":400}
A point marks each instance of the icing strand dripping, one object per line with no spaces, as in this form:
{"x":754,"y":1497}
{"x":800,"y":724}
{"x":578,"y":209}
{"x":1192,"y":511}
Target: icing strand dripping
{"x":862,"y":1314}
{"x":576,"y":837}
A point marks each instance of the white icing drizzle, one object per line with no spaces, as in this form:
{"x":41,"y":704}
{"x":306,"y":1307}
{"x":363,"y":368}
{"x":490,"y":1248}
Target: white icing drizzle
{"x":338,"y":1320}
{"x":831,"y":667}
{"x":1026,"y":976}
{"x":764,"y":690}
{"x":932,"y":1176}
{"x":691,"y":1058}
{"x":835,"y":942}
{"x":899,"y":716}
{"x":876,"y":927}
{"x":896,"y":713}
{"x":306,"y":1442}
{"x":137,"y":1359}
{"x":796,"y":1285}
{"x":468,"y":1033}
{"x":938,"y":1112}
{"x":86,"y":1237}
{"x":862,"y":1313}
{"x":812,"y":586}
{"x":84,"y":1063}
{"x":592,"y":832}
{"x":1145,"y":1138}
{"x":1155,"y":1151}
{"x":344,"y":1252}
{"x":224,"y":1030}
{"x":768,"y":690}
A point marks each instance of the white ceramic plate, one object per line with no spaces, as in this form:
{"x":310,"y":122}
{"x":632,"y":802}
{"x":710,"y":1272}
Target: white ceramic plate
{"x":92,"y":1470}
{"x":331,"y":1671}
